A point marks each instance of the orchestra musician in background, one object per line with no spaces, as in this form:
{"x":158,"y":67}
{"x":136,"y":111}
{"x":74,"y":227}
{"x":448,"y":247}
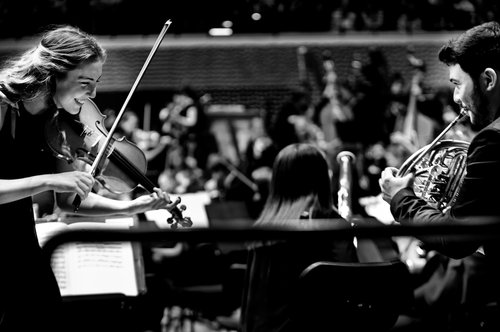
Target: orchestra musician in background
{"x":333,"y":111}
{"x":184,"y":119}
{"x":57,"y":74}
{"x":298,"y":202}
{"x":290,"y":123}
{"x":421,"y":119}
{"x":473,"y":60}
{"x":150,"y":142}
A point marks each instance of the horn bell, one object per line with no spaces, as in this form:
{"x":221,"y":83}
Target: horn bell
{"x":439,"y":173}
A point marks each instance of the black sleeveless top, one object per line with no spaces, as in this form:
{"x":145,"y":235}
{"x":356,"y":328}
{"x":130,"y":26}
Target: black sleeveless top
{"x":27,"y":285}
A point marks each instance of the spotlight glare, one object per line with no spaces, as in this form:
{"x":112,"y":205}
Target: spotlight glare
{"x":220,"y":32}
{"x":256,"y":16}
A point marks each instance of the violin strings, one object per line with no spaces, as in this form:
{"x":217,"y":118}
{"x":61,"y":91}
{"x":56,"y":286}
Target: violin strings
{"x":131,"y":169}
{"x":125,"y":163}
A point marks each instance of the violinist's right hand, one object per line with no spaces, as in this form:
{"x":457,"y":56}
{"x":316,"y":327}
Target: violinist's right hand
{"x":77,"y":182}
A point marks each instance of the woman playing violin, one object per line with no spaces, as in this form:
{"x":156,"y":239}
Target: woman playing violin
{"x":58,"y":74}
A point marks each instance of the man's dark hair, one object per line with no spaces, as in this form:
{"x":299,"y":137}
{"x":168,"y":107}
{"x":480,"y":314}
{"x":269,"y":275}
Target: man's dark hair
{"x":474,"y":50}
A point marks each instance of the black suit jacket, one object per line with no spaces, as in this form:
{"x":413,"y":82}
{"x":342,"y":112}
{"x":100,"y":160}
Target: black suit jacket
{"x":478,"y":196}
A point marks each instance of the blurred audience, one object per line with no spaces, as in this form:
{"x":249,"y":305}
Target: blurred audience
{"x":256,"y":16}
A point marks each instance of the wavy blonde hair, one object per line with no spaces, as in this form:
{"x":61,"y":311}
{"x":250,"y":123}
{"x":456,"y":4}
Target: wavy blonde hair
{"x":60,"y":50}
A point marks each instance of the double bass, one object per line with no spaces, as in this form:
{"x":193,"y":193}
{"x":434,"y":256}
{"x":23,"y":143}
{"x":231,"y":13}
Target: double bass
{"x":413,"y":129}
{"x":406,"y":131}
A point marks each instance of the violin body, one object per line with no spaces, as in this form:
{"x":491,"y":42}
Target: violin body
{"x":78,"y":138}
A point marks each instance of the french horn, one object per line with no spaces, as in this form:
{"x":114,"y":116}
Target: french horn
{"x":439,"y":169}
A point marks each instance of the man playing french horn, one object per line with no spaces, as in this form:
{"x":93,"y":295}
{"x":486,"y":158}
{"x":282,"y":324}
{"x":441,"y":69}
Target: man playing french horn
{"x":473,"y":60}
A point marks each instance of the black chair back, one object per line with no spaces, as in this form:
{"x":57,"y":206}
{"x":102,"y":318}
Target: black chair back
{"x":352,"y":296}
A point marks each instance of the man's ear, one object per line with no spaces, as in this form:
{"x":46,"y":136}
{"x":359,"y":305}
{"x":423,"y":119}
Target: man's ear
{"x":489,"y":79}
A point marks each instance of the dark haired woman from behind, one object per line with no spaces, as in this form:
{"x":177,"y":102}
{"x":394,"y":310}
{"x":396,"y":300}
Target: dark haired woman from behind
{"x":300,"y":197}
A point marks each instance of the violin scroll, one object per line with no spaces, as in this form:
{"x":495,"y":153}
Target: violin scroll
{"x":177,"y":218}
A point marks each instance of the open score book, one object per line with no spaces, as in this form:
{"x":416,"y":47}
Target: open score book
{"x":95,"y":268}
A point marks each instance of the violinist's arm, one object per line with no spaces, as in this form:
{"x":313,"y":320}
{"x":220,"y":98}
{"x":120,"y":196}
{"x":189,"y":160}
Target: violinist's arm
{"x":16,"y":189}
{"x":13,"y":190}
{"x":96,"y":205}
{"x":99,"y":205}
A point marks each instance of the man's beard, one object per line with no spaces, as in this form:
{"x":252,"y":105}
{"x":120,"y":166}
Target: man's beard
{"x":481,"y":115}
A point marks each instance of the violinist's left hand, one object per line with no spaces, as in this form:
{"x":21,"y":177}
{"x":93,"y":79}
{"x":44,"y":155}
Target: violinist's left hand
{"x":157,"y":200}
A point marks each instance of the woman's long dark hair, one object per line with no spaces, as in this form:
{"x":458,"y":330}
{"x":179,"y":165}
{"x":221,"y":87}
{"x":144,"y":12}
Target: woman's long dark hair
{"x":300,"y":182}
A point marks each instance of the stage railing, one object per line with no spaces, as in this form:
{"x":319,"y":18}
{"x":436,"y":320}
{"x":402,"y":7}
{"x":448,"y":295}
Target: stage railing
{"x":485,"y":228}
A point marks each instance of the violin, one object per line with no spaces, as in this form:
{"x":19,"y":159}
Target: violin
{"x":78,"y":139}
{"x":118,"y":165}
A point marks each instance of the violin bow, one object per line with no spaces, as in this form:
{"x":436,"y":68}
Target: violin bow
{"x":77,"y":201}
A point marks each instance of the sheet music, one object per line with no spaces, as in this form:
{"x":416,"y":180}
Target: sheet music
{"x":95,"y":268}
{"x":87,"y":268}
